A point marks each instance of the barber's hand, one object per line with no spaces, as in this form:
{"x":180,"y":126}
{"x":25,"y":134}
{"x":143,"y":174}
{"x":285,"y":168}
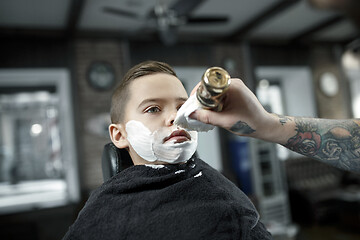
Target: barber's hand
{"x":242,"y":113}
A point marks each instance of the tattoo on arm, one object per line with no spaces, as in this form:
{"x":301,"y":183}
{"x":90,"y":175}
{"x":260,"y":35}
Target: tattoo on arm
{"x":336,"y":142}
{"x":283,"y":119}
{"x":241,"y":128}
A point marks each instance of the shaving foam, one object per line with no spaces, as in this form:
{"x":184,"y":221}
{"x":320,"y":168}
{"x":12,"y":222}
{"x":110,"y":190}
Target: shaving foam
{"x":182,"y":118}
{"x":150,"y":146}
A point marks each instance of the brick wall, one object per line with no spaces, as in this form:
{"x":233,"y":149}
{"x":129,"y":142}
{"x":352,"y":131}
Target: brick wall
{"x":92,"y":103}
{"x":189,"y":54}
{"x":325,"y":59}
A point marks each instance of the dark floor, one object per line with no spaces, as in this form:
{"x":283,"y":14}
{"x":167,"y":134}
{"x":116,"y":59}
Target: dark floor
{"x":52,"y":224}
{"x":42,"y":224}
{"x":327,"y":232}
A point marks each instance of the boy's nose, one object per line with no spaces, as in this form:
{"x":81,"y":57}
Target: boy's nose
{"x":171,"y":119}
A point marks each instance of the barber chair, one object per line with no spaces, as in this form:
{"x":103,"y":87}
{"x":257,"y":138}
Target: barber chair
{"x":114,"y":160}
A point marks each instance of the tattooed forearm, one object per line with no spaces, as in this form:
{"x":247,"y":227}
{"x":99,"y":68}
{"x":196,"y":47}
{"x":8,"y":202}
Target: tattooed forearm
{"x":283,"y":119}
{"x":241,"y":128}
{"x":336,"y":142}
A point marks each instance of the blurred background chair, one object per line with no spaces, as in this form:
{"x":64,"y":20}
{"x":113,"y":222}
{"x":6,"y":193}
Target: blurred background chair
{"x":323,"y":195}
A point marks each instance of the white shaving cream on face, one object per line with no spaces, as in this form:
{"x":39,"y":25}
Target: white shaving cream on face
{"x":149,"y":145}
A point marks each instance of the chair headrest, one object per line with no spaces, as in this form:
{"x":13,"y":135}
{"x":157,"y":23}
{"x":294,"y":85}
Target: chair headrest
{"x":114,"y":160}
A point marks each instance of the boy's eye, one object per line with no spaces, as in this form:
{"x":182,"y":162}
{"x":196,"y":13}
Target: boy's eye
{"x":178,"y":107}
{"x":152,"y":110}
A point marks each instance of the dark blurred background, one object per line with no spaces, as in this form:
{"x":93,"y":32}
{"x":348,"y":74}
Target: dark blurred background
{"x":60,"y":60}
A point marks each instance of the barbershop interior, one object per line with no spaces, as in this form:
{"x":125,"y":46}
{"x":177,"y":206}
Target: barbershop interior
{"x":60,"y":61}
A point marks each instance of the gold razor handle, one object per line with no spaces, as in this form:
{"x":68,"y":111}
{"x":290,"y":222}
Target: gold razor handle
{"x":214,"y":84}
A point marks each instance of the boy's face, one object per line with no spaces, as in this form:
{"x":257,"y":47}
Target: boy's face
{"x":149,"y":114}
{"x":154,"y":100}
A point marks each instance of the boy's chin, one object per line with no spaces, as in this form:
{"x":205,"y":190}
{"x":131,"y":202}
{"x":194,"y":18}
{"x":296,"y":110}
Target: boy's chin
{"x":156,"y":163}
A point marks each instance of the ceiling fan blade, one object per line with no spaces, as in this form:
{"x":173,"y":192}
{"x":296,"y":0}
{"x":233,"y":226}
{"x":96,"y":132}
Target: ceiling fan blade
{"x":184,"y":7}
{"x":120,"y":12}
{"x":207,"y":20}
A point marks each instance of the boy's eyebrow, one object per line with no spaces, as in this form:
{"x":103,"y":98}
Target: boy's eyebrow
{"x":145,"y":101}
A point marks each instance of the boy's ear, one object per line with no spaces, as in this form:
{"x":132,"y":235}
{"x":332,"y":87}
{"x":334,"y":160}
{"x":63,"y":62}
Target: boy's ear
{"x":118,"y":135}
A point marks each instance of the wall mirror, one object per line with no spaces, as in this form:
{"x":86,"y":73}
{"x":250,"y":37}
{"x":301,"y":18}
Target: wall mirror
{"x":38,"y":166}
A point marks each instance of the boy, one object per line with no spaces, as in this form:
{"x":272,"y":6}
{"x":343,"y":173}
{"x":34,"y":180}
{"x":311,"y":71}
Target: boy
{"x":169,"y":193}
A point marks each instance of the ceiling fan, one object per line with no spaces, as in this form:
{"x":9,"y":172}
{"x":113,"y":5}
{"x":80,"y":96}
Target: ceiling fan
{"x":166,"y":20}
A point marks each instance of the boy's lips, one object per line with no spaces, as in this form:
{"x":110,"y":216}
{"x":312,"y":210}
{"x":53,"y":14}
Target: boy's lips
{"x":179,"y":136}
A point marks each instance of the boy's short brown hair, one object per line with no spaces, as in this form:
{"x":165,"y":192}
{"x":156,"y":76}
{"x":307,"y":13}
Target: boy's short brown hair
{"x":121,"y":93}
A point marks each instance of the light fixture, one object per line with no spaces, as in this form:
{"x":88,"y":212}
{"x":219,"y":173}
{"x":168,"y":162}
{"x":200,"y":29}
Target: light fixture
{"x":329,"y":84}
{"x":351,"y":60}
{"x":36,"y":129}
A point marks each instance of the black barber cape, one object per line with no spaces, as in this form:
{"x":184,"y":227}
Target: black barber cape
{"x":182,"y":201}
